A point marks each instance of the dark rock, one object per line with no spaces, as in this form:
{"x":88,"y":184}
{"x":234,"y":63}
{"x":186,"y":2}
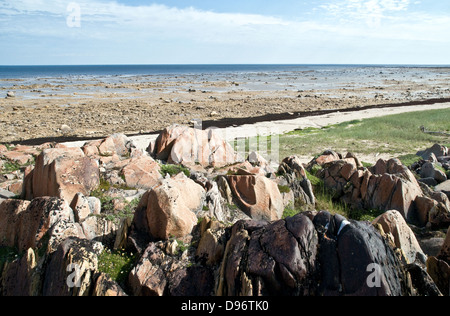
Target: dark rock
{"x":72,"y":268}
{"x":429,"y":181}
{"x":422,"y":281}
{"x":436,"y":149}
{"x":192,"y":281}
{"x":439,"y":270}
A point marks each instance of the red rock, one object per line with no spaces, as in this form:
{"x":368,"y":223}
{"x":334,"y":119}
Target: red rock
{"x":381,"y":196}
{"x":170,"y":206}
{"x":115,"y":144}
{"x":18,"y":157}
{"x":90,"y":151}
{"x":141,"y":173}
{"x":64,"y":172}
{"x":105,"y":286}
{"x":327,"y":158}
{"x":403,"y":198}
{"x":424,"y":206}
{"x":183,"y":145}
{"x":348,"y":170}
{"x":258,"y":196}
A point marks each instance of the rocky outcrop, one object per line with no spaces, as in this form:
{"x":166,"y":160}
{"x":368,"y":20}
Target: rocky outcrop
{"x":393,"y":224}
{"x":293,"y":172}
{"x":117,"y":144}
{"x":188,"y":146}
{"x":41,"y":223}
{"x":169,"y":208}
{"x":299,"y":256}
{"x":387,"y":186}
{"x":71,"y":269}
{"x":439,"y":267}
{"x":62,"y":173}
{"x":219,"y":231}
{"x":257,"y":196}
{"x":141,"y":173}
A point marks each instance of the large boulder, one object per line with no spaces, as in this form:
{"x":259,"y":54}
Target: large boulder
{"x":393,"y":223}
{"x":42,"y":223}
{"x":258,"y":196}
{"x":310,"y":255}
{"x":141,"y":173}
{"x":62,"y":173}
{"x":168,"y":210}
{"x":183,"y":145}
{"x":436,"y":150}
{"x":72,"y":268}
{"x":387,"y":186}
{"x":117,"y":144}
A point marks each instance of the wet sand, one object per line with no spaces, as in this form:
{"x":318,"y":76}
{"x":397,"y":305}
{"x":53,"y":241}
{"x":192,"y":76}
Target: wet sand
{"x":64,"y":109}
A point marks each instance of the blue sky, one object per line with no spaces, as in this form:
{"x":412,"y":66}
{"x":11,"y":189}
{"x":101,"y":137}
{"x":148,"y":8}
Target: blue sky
{"x":210,"y":31}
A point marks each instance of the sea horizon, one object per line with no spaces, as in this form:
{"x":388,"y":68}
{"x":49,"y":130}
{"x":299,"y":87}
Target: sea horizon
{"x":33,"y":71}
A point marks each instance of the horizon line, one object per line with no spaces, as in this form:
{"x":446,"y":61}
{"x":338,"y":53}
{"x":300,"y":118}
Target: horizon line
{"x":230,"y":64}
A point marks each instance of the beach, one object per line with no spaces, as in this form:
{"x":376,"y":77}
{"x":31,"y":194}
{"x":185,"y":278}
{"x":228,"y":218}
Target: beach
{"x":76,"y":107}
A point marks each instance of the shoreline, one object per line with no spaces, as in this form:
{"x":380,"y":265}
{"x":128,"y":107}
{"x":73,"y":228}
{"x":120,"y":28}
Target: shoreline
{"x":238,"y":122}
{"x":73,"y":109}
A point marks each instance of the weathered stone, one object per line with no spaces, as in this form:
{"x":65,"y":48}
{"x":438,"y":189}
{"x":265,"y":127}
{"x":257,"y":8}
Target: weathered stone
{"x":211,"y":247}
{"x":188,"y":146}
{"x":141,"y":173}
{"x":115,"y":144}
{"x":81,"y":208}
{"x":192,"y":281}
{"x":439,"y":270}
{"x":257,"y":196}
{"x":444,"y":188}
{"x":20,"y":277}
{"x":436,"y":149}
{"x":105,"y":286}
{"x":444,"y":253}
{"x":17,"y":157}
{"x":62,"y":173}
{"x":168,"y":209}
{"x":427,"y":170}
{"x":43,"y":222}
{"x":147,"y":278}
{"x":394,"y":224}
{"x":72,"y":268}
{"x":424,"y":206}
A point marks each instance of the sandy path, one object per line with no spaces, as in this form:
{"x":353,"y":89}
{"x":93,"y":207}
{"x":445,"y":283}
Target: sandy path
{"x":285,"y":126}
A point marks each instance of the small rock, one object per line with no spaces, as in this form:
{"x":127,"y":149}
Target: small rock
{"x":65,"y":129}
{"x":10,"y":94}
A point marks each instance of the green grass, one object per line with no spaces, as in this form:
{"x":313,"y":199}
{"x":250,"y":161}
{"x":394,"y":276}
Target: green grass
{"x":392,"y":134}
{"x":10,"y":166}
{"x":284,"y":188}
{"x":173,"y":170}
{"x":326,"y":201}
{"x":117,"y":264}
{"x":410,"y":159}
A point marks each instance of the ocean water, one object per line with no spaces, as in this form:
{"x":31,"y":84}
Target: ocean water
{"x":28,"y":72}
{"x":55,"y":81}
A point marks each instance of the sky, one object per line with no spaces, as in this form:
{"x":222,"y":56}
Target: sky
{"x":70,"y":32}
